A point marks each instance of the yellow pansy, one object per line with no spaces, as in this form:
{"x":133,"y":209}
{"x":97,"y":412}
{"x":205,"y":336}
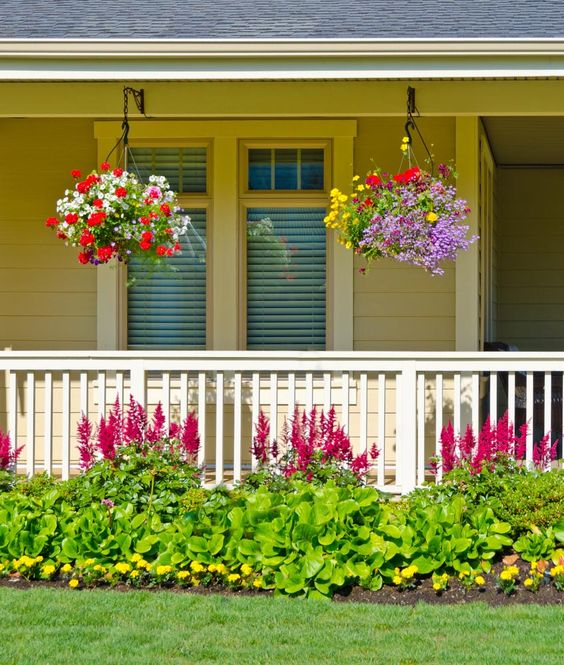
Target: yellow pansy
{"x":182,"y":574}
{"x":257,"y":583}
{"x":196,"y":567}
{"x":437,"y":586}
{"x":397,"y":579}
{"x":246,"y":569}
{"x":134,"y":574}
{"x":66,"y":568}
{"x":122,"y":568}
{"x":73,"y":583}
{"x":432,"y":217}
{"x":234,"y":577}
{"x":479,"y":580}
{"x":48,"y":570}
{"x":528,"y":582}
{"x":136,"y":557}
{"x":164,"y":570}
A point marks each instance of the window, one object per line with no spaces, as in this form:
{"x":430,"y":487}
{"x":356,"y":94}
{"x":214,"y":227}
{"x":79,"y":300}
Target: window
{"x":166,"y":307}
{"x":284,"y":203}
{"x":286,"y":169}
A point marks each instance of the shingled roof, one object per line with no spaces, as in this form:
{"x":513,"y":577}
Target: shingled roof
{"x":280,"y":19}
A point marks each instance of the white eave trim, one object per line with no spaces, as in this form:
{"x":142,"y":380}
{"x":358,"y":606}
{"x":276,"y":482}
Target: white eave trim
{"x":277,"y":59}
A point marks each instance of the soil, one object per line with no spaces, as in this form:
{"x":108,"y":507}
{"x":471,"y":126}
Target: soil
{"x":455,"y":594}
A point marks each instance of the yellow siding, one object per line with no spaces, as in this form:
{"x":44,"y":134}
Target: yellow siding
{"x":47,"y":300}
{"x":531,"y":259}
{"x":398,"y":307}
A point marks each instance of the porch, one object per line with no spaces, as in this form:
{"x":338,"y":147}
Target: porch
{"x":398,"y":400}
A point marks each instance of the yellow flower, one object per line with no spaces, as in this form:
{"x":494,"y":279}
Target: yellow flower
{"x":528,"y":582}
{"x":357,"y":177}
{"x":233,"y":577}
{"x":122,"y":568}
{"x":88,"y":562}
{"x":66,"y":568}
{"x":212,"y":568}
{"x":197,"y":567}
{"x":444,"y":577}
{"x":505,"y":575}
{"x":346,"y":215}
{"x":361,"y":188}
{"x":348,"y":244}
{"x":222,"y":569}
{"x":397,"y":579}
{"x":343,"y":197}
{"x":405,"y":139}
{"x":432,"y":217}
{"x":142,"y":563}
{"x":38,"y":559}
{"x":182,"y":574}
{"x":409,"y":572}
{"x":48,"y":569}
{"x":404,"y":146}
{"x":136,"y":557}
{"x":479,"y":580}
{"x":1,"y":567}
{"x":246,"y":569}
{"x":462,"y":574}
{"x":257,"y":583}
{"x":334,"y":193}
{"x":437,"y":586}
{"x":534,"y":565}
{"x":73,"y":583}
{"x":99,"y":569}
{"x":134,"y":574}
{"x":164,"y":570}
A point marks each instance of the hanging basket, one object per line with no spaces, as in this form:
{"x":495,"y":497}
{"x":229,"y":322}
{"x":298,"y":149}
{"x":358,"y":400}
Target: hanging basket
{"x":112,"y":215}
{"x":413,"y":217}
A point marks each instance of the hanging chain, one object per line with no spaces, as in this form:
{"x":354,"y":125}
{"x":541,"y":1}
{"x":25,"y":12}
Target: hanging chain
{"x":139,"y":97}
{"x":411,"y":124}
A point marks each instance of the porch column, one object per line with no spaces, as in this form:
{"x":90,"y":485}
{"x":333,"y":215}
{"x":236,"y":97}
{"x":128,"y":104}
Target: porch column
{"x":340,"y":279}
{"x":467,"y":264}
{"x":226,"y":246}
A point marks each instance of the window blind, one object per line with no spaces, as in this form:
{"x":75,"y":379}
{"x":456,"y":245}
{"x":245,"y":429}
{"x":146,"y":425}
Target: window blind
{"x":184,"y":168}
{"x":167,"y":308}
{"x":286,"y":252}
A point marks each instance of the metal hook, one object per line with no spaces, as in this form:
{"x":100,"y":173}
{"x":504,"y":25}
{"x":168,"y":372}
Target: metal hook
{"x":409,"y":124}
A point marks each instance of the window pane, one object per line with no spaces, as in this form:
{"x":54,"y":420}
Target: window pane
{"x":312,"y":168}
{"x":260,"y":168}
{"x":193,"y":170}
{"x":286,"y":169}
{"x":286,"y":278}
{"x":167,"y":308}
{"x":184,"y":168}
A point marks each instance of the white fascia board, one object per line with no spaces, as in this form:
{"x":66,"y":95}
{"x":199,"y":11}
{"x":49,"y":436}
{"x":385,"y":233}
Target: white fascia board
{"x":96,"y":60}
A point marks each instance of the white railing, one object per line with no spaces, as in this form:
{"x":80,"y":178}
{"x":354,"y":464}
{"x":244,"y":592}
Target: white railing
{"x":398,"y":400}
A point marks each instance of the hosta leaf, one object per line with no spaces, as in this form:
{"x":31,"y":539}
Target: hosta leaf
{"x":215,"y":543}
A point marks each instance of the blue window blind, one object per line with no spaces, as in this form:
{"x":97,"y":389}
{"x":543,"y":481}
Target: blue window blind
{"x":286,"y":169}
{"x":286,"y":278}
{"x":184,"y":168}
{"x":167,"y":308}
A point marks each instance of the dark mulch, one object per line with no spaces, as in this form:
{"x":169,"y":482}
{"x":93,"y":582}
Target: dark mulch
{"x":456,"y":594}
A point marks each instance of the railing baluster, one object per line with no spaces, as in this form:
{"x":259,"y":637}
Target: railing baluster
{"x":475,"y":402}
{"x":530,"y":402}
{"x":381,"y":480}
{"x":48,"y":423}
{"x":547,"y":403}
{"x":457,"y":398}
{"x":65,"y":443}
{"x":511,"y":397}
{"x":219,"y":442}
{"x":183,"y":396}
{"x":13,"y":407}
{"x":202,"y":417}
{"x":345,"y":396}
{"x":166,"y":396}
{"x":255,"y":409}
{"x":101,"y":394}
{"x":438,"y":415}
{"x":273,"y":407}
{"x":119,"y":387}
{"x":309,"y":392}
{"x":493,"y":397}
{"x":420,"y":429}
{"x":30,"y":444}
{"x":326,"y":391}
{"x":291,"y":394}
{"x":237,"y":442}
{"x":84,"y":394}
{"x":363,"y":415}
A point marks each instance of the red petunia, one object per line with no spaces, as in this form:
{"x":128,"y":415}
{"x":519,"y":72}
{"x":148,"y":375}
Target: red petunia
{"x":71,"y":218}
{"x":97,"y":203}
{"x":177,"y":247}
{"x":117,"y":172}
{"x":83,"y":258}
{"x":165,"y":209}
{"x":373,"y":180}
{"x":168,"y":231}
{"x":61,"y":235}
{"x":147,"y":236}
{"x":153,"y":215}
{"x":104,"y":166}
{"x":121,"y":192}
{"x":86,"y":238}
{"x":144,"y":244}
{"x":83,"y":187}
{"x":76,"y":173}
{"x":105,"y":253}
{"x":161,"y":250}
{"x":52,"y":221}
{"x":96,"y":219}
{"x":144,"y":220}
{"x":408,"y":176}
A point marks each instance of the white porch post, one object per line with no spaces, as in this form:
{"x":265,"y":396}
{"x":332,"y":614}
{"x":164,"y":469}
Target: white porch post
{"x":467,"y":264}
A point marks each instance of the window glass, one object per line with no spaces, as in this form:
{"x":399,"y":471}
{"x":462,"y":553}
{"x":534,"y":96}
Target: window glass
{"x":286,"y":169}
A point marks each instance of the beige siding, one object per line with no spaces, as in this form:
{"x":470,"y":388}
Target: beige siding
{"x":531,"y":259}
{"x":398,"y":307}
{"x":47,"y":300}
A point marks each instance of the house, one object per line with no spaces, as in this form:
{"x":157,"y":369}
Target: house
{"x":255,"y":110}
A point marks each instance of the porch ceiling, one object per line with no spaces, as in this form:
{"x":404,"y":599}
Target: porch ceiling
{"x":527,"y":141}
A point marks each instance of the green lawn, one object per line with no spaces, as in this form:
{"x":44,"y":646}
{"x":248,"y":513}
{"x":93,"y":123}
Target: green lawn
{"x":51,"y":626}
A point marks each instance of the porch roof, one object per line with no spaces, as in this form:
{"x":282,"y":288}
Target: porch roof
{"x":280,"y":19}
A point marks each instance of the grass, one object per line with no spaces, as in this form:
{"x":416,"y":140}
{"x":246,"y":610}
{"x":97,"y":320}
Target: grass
{"x":53,"y":626}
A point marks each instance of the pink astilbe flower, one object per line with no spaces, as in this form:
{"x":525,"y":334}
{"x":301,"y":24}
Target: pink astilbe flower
{"x":106,"y":440}
{"x":260,"y":439}
{"x":8,"y":454}
{"x":86,"y":444}
{"x":448,"y":448}
{"x":374,"y":452}
{"x":359,"y":465}
{"x":467,"y":444}
{"x":135,"y":423}
{"x":156,"y":431}
{"x":544,"y":453}
{"x":189,"y":436}
{"x":115,"y":422}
